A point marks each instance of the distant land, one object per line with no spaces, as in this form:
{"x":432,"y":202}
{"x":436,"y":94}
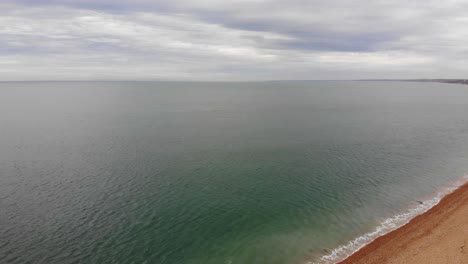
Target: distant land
{"x":459,"y":81}
{"x":456,"y":81}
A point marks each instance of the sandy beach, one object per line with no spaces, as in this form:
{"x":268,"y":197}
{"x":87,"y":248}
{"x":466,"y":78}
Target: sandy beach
{"x":438,"y":236}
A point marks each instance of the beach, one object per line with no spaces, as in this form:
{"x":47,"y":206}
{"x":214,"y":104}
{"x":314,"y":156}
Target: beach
{"x":440,"y":235}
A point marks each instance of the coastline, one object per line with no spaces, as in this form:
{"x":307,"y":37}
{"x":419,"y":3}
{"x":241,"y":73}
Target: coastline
{"x":439,"y":235}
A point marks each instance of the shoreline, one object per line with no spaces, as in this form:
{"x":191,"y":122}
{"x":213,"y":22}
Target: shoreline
{"x":438,"y":235}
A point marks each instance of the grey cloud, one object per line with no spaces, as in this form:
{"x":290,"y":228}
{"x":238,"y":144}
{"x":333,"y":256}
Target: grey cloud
{"x":208,"y":39}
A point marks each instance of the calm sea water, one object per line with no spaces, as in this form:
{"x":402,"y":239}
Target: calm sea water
{"x":218,"y":173}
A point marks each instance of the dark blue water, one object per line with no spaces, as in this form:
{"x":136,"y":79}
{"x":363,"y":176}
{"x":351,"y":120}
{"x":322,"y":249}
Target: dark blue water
{"x":219,"y":173}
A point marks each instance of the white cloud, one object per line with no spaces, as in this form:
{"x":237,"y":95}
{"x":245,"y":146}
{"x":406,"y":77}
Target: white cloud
{"x":234,"y":40}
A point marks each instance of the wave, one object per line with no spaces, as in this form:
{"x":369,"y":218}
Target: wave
{"x":342,"y":252}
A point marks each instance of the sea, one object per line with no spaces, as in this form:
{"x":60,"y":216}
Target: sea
{"x":274,"y":172}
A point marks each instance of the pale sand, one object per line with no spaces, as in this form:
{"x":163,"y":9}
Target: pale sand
{"x":438,"y":236}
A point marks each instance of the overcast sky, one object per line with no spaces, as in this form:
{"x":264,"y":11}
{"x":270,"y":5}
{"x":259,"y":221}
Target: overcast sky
{"x":232,"y":39}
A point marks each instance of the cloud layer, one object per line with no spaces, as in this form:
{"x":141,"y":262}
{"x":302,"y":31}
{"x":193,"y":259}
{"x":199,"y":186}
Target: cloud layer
{"x":232,"y":40}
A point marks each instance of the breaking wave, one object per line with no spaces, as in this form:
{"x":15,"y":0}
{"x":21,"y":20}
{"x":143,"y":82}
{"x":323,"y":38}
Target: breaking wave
{"x":342,"y":252}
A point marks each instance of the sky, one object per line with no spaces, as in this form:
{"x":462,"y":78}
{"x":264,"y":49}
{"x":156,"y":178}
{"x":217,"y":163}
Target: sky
{"x":232,"y":40}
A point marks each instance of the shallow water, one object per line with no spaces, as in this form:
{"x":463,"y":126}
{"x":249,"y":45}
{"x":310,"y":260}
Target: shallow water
{"x":214,"y":173}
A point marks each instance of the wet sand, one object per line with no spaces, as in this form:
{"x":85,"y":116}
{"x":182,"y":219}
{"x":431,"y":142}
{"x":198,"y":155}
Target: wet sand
{"x":438,"y":236}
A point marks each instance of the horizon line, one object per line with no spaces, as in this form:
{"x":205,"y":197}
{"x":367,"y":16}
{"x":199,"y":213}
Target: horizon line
{"x":241,"y":81}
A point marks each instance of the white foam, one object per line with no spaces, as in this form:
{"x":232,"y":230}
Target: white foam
{"x":388,"y":225}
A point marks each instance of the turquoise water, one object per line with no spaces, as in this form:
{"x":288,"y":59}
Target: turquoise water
{"x":219,"y":173}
